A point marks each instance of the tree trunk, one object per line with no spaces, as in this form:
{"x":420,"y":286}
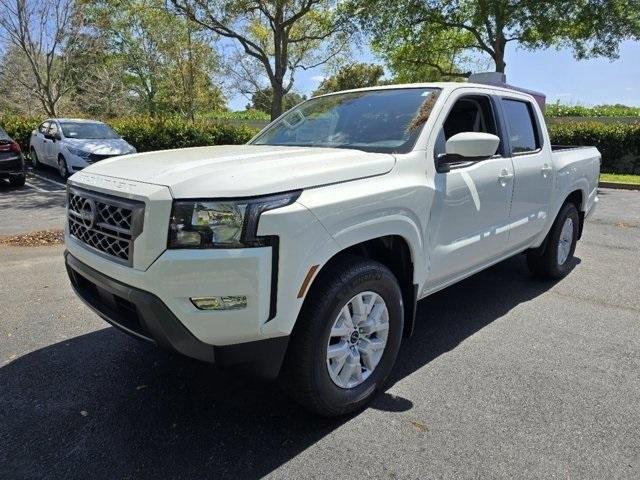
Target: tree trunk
{"x":276,"y":103}
{"x":498,"y":54}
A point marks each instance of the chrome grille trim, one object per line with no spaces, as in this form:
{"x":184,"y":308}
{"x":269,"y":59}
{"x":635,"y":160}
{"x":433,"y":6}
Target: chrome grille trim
{"x":105,"y":224}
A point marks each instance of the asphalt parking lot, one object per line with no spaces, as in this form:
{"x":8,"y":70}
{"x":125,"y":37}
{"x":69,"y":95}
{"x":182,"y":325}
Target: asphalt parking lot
{"x":505,"y":377}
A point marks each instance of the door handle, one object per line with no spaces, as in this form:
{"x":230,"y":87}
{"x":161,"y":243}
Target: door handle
{"x":504,"y":177}
{"x":546,"y":169}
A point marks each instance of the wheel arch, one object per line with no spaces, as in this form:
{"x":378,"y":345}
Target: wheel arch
{"x":395,"y":252}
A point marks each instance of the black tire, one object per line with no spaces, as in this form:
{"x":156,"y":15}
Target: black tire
{"x":35,"y":163}
{"x":63,"y":169}
{"x":17,"y":180}
{"x":543,"y":262}
{"x":304,"y":375}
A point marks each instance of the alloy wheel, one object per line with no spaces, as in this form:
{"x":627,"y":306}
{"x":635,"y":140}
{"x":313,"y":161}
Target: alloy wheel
{"x":357,"y":340}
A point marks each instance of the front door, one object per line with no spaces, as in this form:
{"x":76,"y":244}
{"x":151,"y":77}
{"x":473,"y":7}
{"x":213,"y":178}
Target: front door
{"x":469,"y":220}
{"x":51,"y":146}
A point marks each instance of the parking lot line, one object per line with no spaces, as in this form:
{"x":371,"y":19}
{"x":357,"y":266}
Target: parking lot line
{"x":49,"y":180}
{"x":38,"y":189}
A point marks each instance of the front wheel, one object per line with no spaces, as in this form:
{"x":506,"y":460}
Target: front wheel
{"x":35,"y":163}
{"x":554,"y":261}
{"x":63,"y":169}
{"x":346,"y":339}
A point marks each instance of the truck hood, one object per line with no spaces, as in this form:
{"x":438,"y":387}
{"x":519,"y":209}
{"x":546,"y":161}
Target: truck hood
{"x":244,"y":170}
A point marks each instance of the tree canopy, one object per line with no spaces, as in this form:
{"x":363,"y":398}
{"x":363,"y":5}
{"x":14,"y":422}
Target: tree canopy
{"x":262,"y":100}
{"x":355,"y":75}
{"x":442,"y":32}
{"x":281,"y":37}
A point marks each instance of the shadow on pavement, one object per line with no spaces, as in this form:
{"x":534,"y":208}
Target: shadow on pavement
{"x":103,"y":405}
{"x":25,"y":198}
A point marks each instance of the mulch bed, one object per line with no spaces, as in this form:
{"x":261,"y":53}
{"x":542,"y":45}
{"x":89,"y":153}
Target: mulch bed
{"x":34,"y":239}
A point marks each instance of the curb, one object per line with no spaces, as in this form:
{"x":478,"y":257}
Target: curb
{"x":619,"y":186}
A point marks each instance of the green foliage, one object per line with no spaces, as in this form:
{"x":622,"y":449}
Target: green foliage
{"x":19,"y":128}
{"x":165,"y":62}
{"x":618,"y":143}
{"x":262,"y":100}
{"x":278,"y":38}
{"x":620,"y":178}
{"x":356,"y":75}
{"x":439,"y":31}
{"x":558,"y":110}
{"x":250,"y":114}
{"x":147,"y":134}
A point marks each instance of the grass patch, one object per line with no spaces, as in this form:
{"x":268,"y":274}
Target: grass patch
{"x":620,"y":178}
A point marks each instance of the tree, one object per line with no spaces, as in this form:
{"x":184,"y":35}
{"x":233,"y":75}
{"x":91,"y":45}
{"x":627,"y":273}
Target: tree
{"x":262,"y":100}
{"x":434,"y":27}
{"x":355,"y":75}
{"x":168,"y":65}
{"x":44,"y":33}
{"x":281,"y":36}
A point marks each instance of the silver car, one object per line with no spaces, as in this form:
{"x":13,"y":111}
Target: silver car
{"x":72,"y":144}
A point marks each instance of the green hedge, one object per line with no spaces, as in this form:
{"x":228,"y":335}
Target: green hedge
{"x":618,"y":143}
{"x":148,"y":134}
{"x":559,"y":110}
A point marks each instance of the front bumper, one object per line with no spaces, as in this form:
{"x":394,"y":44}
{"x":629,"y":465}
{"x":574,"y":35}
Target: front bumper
{"x":144,"y":315}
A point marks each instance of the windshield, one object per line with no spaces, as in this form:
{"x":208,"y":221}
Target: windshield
{"x":3,"y":135}
{"x":383,"y":121}
{"x":87,"y":130}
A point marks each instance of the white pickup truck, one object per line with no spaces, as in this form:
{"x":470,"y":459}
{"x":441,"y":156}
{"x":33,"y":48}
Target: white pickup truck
{"x":302,"y":254}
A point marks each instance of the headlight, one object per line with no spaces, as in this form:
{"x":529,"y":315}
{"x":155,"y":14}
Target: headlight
{"x":221,"y":223}
{"x":79,"y":153}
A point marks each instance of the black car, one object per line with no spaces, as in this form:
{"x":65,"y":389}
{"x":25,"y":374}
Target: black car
{"x":11,"y":160}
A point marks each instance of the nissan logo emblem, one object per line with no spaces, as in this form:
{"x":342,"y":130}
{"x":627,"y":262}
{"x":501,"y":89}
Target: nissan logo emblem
{"x":88,"y":212}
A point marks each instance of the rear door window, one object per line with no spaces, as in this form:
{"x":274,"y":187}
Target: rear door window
{"x":522,"y":126}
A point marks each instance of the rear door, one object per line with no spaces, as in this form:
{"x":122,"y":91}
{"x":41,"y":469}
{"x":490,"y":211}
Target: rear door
{"x":470,"y":213}
{"x":533,"y":169}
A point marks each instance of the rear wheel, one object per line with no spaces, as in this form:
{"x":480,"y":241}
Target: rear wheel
{"x":346,"y":339}
{"x":554,"y":260}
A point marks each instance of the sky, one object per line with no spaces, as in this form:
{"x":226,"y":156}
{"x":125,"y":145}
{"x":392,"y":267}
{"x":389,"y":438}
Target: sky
{"x":553,"y":72}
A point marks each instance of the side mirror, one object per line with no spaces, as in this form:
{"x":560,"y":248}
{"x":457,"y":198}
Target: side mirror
{"x":467,"y":147}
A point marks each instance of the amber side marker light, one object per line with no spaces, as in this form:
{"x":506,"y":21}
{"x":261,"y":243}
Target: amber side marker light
{"x":307,"y":280}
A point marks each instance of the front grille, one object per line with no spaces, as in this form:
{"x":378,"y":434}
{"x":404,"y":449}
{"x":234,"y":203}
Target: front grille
{"x":94,"y":157}
{"x":106,"y":224}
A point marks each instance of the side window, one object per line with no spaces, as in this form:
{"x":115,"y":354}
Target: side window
{"x":43,"y":128}
{"x":472,"y":113}
{"x":521,"y":123}
{"x":53,"y":129}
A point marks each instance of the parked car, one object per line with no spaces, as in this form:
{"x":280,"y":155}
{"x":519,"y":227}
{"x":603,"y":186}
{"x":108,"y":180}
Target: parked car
{"x":302,"y":254}
{"x":72,"y":144}
{"x":11,"y":160}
